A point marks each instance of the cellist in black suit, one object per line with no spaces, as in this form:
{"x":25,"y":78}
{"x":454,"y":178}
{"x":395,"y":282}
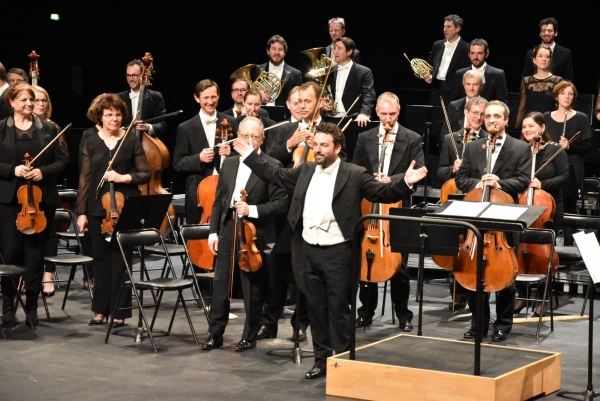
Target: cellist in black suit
{"x":194,"y":153}
{"x":473,"y":81}
{"x":406,"y":148}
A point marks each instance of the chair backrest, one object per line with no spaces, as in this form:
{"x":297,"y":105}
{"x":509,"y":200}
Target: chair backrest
{"x":142,"y":237}
{"x":63,"y":216}
{"x":68,"y":196}
{"x":581,"y":222}
{"x":537,"y":236}
{"x":194,"y":232}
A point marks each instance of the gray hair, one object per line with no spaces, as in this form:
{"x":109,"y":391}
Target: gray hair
{"x":255,"y":120}
{"x":337,"y":20}
{"x":476,"y":101}
{"x":458,"y":22}
{"x":502,"y":104}
{"x":474,"y":74}
{"x":388,"y":97}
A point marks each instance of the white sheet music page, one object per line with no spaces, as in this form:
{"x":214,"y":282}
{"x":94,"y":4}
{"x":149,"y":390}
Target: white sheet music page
{"x":590,"y":252}
{"x":464,"y":209}
{"x":500,"y":212}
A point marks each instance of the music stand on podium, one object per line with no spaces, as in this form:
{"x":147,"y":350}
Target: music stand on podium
{"x":142,"y":211}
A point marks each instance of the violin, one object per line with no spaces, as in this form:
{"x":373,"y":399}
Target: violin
{"x":379,"y":263}
{"x":249,"y":257}
{"x":200,"y":254}
{"x":303,"y":154}
{"x":500,"y":262}
{"x":112,"y":202}
{"x":30,"y":220}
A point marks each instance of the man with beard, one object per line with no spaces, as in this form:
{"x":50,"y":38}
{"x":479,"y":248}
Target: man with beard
{"x":562,"y":60}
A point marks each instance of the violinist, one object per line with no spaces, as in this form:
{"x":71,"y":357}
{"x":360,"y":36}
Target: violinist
{"x":265,"y":201}
{"x":153,"y":103}
{"x":405,"y":148}
{"x":23,"y":132}
{"x":239,"y":87}
{"x":252,"y":103}
{"x":511,"y":170}
{"x":129,"y":170}
{"x":194,"y":153}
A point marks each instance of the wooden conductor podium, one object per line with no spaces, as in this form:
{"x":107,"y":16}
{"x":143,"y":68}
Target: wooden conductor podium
{"x":409,"y":367}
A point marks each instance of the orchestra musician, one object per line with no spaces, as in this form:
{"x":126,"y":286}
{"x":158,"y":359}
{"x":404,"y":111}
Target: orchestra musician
{"x":293,"y":105}
{"x":239,"y":87}
{"x":265,"y":201}
{"x":511,"y":173}
{"x":23,"y":132}
{"x":194,"y":153}
{"x":324,"y":208}
{"x":337,"y":29}
{"x":446,"y":57}
{"x":348,"y":80}
{"x":536,"y":89}
{"x":562,"y":60}
{"x":153,"y":104}
{"x":289,"y":76}
{"x":494,"y":79}
{"x":4,"y":106}
{"x":17,"y":76}
{"x":597,"y":108}
{"x":473,"y":82}
{"x":252,"y":103}
{"x":407,"y":147}
{"x":130,"y":169}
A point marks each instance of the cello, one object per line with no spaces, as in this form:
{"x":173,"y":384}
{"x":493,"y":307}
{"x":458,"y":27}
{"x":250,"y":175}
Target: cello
{"x":379,"y":263}
{"x":500,"y":262}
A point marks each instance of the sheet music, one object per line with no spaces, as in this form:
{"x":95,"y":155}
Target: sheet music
{"x":590,"y":252}
{"x":500,"y":212}
{"x":464,"y":209}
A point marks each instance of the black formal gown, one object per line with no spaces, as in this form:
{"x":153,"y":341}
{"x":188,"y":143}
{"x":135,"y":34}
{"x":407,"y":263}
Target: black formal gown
{"x":536,"y":95}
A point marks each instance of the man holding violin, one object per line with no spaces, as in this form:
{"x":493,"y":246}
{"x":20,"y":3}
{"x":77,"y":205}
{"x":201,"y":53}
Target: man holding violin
{"x":510,"y":172}
{"x":264,"y":202}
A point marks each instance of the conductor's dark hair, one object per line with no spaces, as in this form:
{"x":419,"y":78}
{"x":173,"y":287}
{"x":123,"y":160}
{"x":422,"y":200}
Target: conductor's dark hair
{"x":334,"y":131}
{"x":458,"y":22}
{"x":348,"y":44}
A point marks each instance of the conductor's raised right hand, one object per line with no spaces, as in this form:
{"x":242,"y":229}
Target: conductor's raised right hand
{"x":413,"y":175}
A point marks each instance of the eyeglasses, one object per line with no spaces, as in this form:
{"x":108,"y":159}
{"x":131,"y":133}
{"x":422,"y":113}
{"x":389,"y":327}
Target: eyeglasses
{"x":239,"y":90}
{"x":111,"y":116}
{"x":42,"y":101}
{"x":16,"y":81}
{"x":132,"y":75}
{"x":254,"y":137}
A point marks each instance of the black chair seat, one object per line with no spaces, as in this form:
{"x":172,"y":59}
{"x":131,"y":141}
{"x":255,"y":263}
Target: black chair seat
{"x":66,"y":235}
{"x":12,"y":270}
{"x":530,"y":278}
{"x":568,"y":253}
{"x":205,"y":276}
{"x":69,"y":259}
{"x":172,"y":249}
{"x":163,"y":283}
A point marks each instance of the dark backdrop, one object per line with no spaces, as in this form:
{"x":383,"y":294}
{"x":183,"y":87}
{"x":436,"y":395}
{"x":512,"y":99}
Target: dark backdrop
{"x":85,"y":52}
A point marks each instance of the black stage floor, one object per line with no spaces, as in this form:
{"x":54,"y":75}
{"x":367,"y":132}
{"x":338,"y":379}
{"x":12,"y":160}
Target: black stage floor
{"x":66,"y":359}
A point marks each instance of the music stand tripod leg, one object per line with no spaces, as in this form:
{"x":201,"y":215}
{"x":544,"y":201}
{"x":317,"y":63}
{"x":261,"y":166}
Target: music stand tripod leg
{"x":420,"y":273}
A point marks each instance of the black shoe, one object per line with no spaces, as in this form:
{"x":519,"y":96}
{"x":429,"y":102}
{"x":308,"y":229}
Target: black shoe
{"x":8,"y":320}
{"x":244,"y":345}
{"x":32,"y":318}
{"x":96,"y":322}
{"x":471,"y":333}
{"x":290,"y":301}
{"x":318,"y":370}
{"x":361,"y":322}
{"x":457,"y":305}
{"x":406,"y":326}
{"x":265,"y":332}
{"x":214,"y":341}
{"x":117,"y":325}
{"x":499,"y":335}
{"x":301,"y":337}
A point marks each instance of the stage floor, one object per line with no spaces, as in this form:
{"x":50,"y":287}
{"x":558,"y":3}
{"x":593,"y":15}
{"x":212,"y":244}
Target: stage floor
{"x":66,"y":359}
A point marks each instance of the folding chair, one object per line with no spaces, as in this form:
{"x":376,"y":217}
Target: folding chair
{"x":14,"y":272}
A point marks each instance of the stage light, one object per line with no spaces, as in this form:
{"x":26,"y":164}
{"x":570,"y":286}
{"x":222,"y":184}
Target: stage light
{"x":54,"y":17}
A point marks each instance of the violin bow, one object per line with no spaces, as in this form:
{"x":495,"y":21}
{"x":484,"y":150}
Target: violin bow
{"x":349,"y":108}
{"x":449,"y":128}
{"x":50,"y":144}
{"x":556,"y":154}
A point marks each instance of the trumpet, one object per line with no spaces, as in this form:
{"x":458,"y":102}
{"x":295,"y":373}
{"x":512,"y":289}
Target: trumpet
{"x":266,"y":81}
{"x":420,"y":67}
{"x":320,"y":65}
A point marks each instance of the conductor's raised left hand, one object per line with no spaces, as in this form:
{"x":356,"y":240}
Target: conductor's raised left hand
{"x":413,"y":175}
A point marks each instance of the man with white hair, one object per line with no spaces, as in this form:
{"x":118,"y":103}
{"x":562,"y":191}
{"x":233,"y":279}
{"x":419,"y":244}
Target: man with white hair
{"x":473,"y":82}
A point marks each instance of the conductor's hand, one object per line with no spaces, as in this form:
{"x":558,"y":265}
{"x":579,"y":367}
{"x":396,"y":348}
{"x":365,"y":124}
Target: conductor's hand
{"x":490,"y":180}
{"x":207,"y":155}
{"x":428,"y":78}
{"x":82,"y":222}
{"x":224,"y":150}
{"x":456,"y":166}
{"x":299,"y":136}
{"x":213,"y":245}
{"x":413,"y":176}
{"x":362,"y":120}
{"x":242,"y":208}
{"x":243,"y":148}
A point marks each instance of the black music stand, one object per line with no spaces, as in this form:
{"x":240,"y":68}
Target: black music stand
{"x":142,"y":211}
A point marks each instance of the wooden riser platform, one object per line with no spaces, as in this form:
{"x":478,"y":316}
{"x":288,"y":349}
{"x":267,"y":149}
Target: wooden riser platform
{"x":407,"y":367}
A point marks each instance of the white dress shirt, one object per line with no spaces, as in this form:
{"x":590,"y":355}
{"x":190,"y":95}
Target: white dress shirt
{"x":340,"y":85}
{"x":134,"y":108}
{"x":449,"y":48}
{"x":480,"y":69}
{"x":389,"y":149}
{"x":277,"y":70}
{"x":3,"y":88}
{"x":209,"y":123}
{"x":320,"y":226}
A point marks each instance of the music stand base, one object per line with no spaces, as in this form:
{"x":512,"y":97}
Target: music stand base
{"x":297,"y":353}
{"x":588,"y":395}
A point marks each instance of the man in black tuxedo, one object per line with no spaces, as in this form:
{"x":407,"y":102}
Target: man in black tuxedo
{"x":473,"y":81}
{"x":398,"y":156}
{"x":265,"y":201}
{"x":446,"y":57}
{"x":289,"y":76}
{"x":511,"y":169}
{"x":495,"y":81}
{"x":153,"y":104}
{"x":562,"y":60}
{"x":4,"y":107}
{"x":252,"y":103}
{"x":324,"y":208}
{"x":196,"y":154}
{"x":239,"y":87}
{"x":348,"y":80}
{"x":337,"y":29}
{"x":16,"y":76}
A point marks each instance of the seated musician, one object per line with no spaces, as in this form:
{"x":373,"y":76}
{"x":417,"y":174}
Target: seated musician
{"x":194,"y":154}
{"x":511,"y":172}
{"x":265,"y":201}
{"x":348,"y":80}
{"x":130,"y":169}
{"x":449,"y":165}
{"x":473,"y":82}
{"x":153,"y":103}
{"x":405,"y":148}
{"x":239,"y":87}
{"x":252,"y":103}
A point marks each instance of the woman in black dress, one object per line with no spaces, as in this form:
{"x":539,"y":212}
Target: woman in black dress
{"x":536,"y":90}
{"x":23,"y":132}
{"x":130,"y":169}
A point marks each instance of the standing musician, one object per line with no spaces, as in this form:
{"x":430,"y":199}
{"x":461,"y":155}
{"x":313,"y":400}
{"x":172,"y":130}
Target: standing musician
{"x":597,"y":108}
{"x":447,"y":56}
{"x":22,"y":133}
{"x":17,"y":76}
{"x":494,"y":79}
{"x":324,"y":208}
{"x":153,"y":103}
{"x":239,"y":87}
{"x":347,"y":81}
{"x":4,"y":106}
{"x":293,"y":105}
{"x":252,"y":103}
{"x":265,"y":201}
{"x":194,"y":153}
{"x":407,"y":147}
{"x":337,"y":29}
{"x":289,"y":76}
{"x":130,"y":169}
{"x":473,"y":82}
{"x":562,"y":60}
{"x":511,"y":173}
